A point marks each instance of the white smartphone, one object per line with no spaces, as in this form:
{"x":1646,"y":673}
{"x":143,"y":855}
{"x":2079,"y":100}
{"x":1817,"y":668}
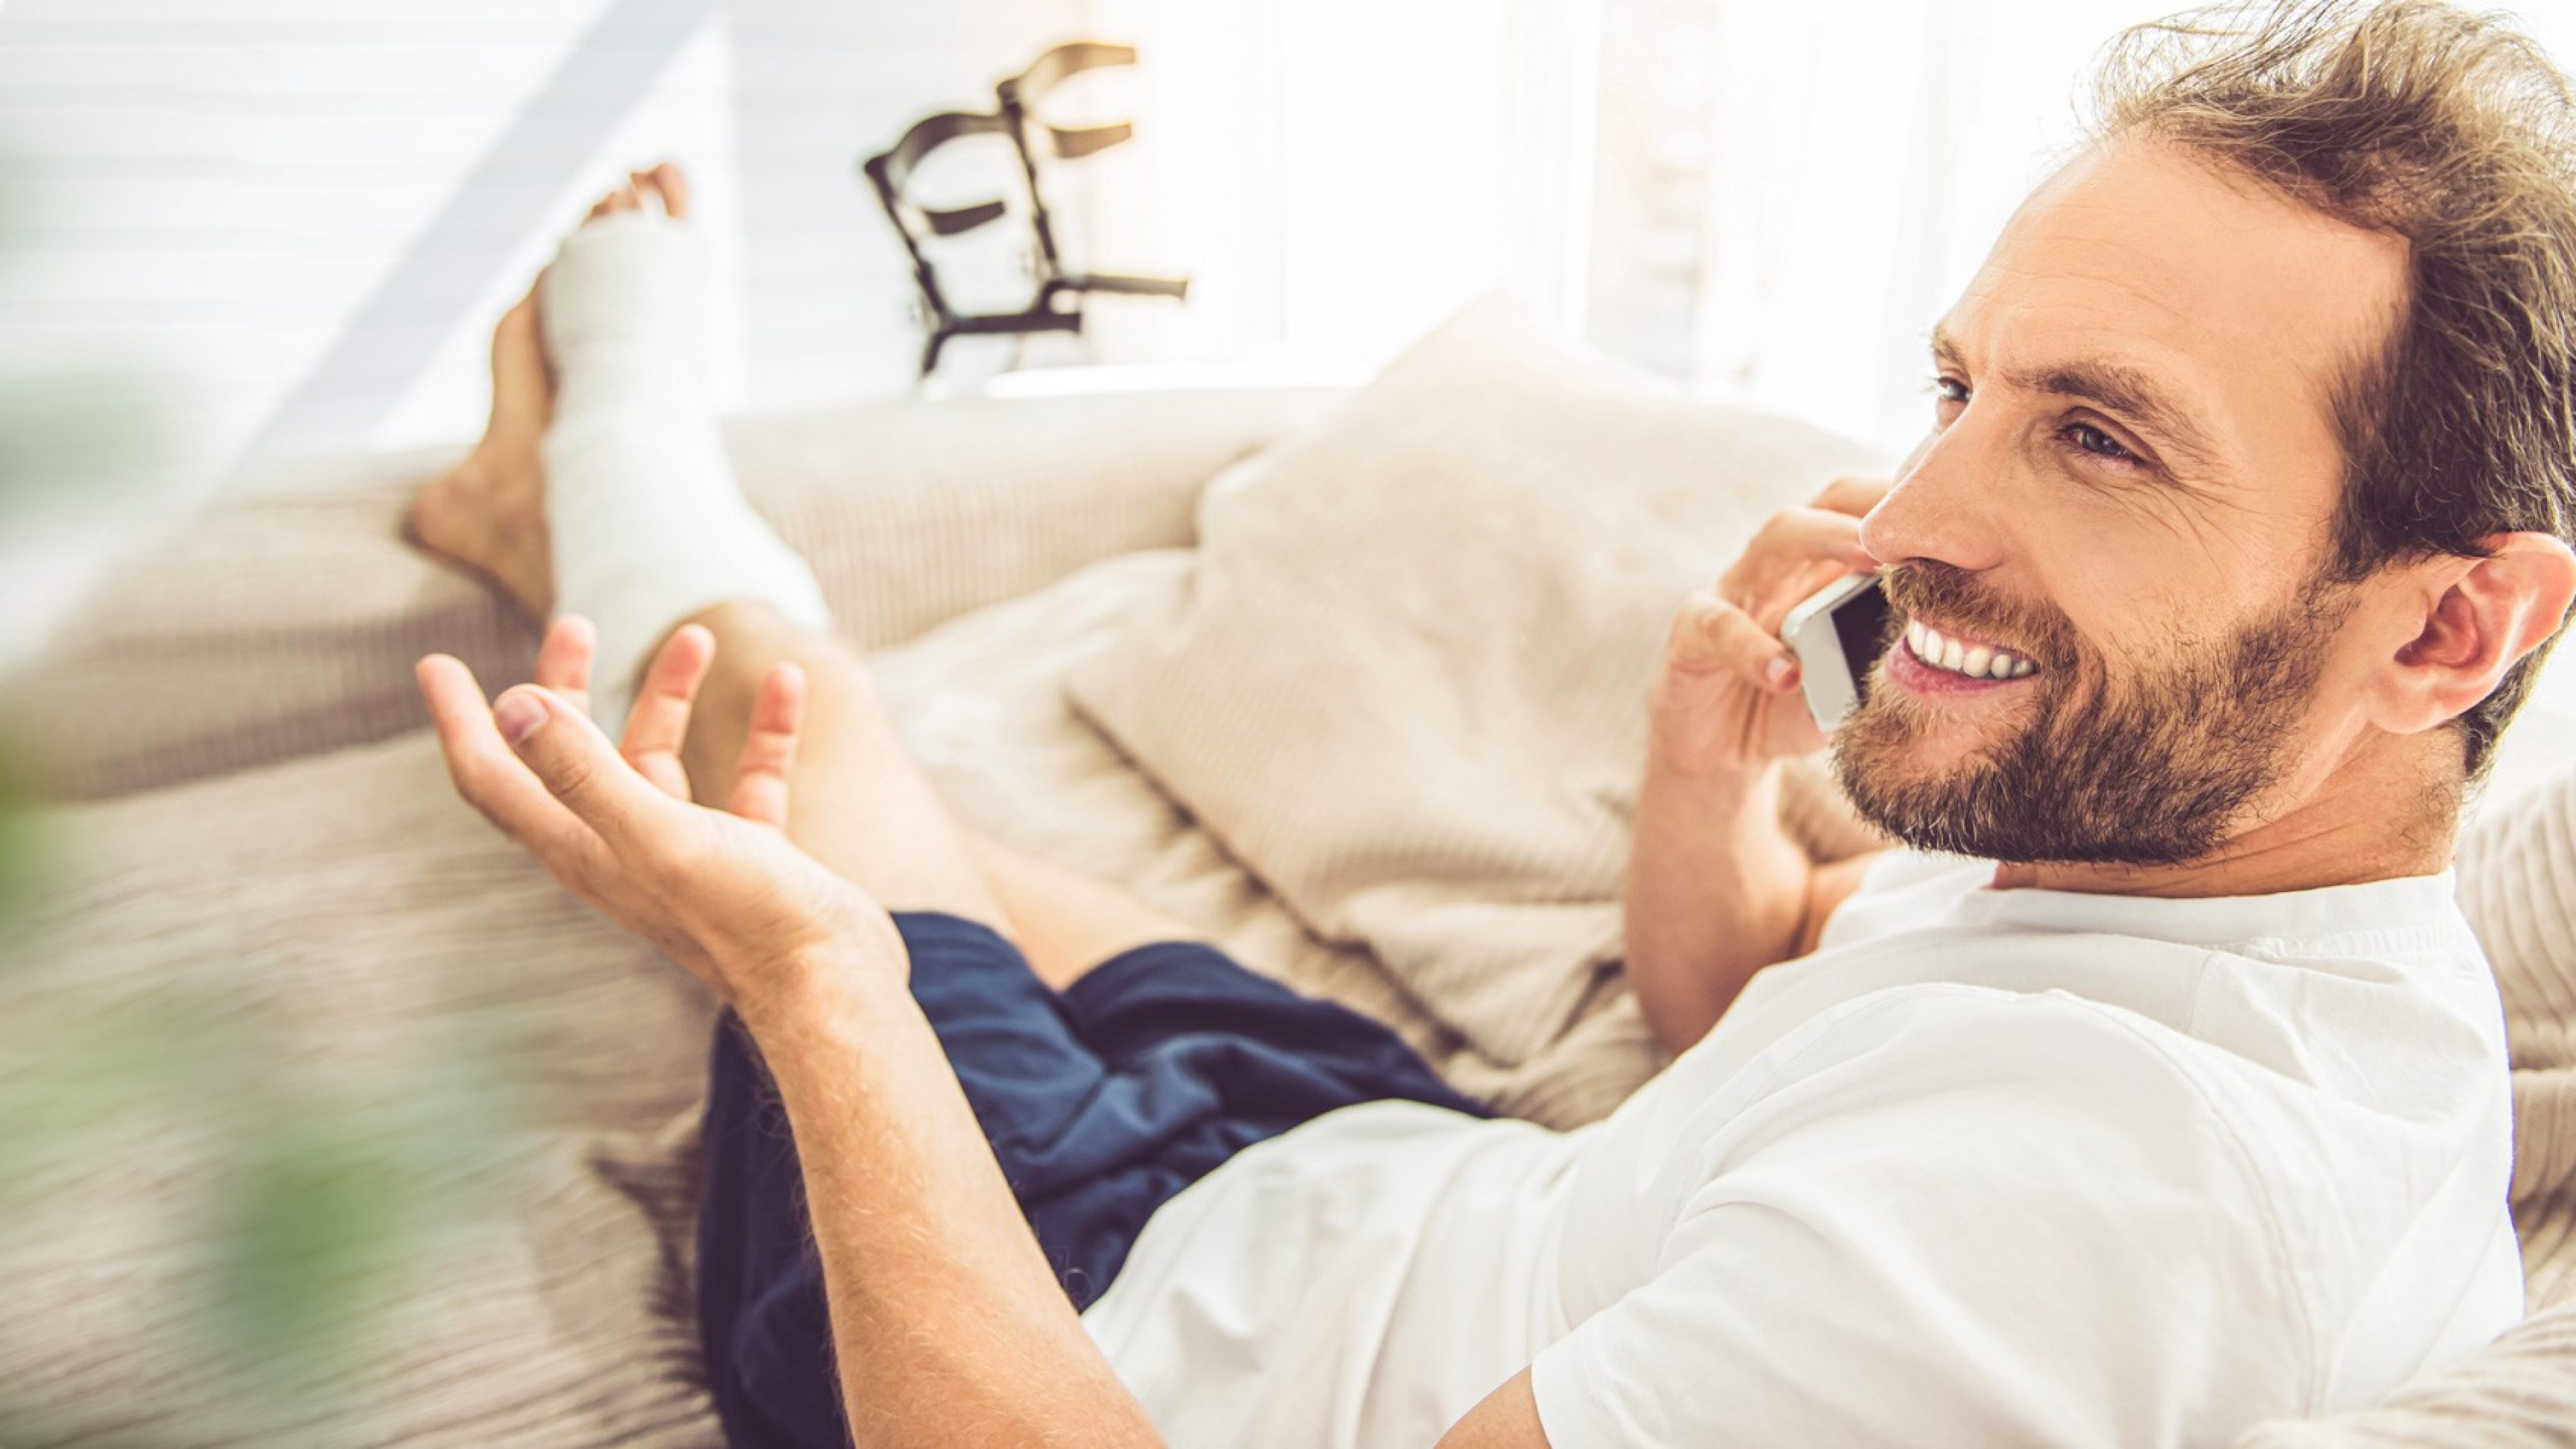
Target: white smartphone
{"x":1837,"y":633}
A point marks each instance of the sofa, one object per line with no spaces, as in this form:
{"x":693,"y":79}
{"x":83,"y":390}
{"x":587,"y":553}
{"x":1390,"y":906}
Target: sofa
{"x":246,"y":823}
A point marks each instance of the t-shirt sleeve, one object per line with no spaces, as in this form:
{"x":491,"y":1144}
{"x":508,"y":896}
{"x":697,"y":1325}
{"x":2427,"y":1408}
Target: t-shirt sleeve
{"x":1957,"y":1216}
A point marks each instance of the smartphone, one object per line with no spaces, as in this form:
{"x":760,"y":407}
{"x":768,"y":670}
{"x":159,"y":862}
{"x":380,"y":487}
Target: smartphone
{"x":1837,"y":633}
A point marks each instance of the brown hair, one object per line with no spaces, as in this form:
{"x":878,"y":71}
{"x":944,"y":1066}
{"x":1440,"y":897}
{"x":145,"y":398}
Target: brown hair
{"x":2454,"y":132}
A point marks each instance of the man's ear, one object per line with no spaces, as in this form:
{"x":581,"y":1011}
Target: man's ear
{"x":2478,"y":618}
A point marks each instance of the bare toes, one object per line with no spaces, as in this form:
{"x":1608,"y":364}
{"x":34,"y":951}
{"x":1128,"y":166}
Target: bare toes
{"x":673,"y":185}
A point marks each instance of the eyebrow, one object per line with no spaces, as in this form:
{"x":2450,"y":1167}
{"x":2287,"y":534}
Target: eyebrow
{"x":2114,"y":387}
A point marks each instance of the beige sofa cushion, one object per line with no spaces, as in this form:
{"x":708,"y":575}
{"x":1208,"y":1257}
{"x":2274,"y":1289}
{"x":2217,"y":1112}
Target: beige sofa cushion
{"x":330,"y":954}
{"x":284,"y":621}
{"x":1406,"y":684}
{"x":2518,"y":885}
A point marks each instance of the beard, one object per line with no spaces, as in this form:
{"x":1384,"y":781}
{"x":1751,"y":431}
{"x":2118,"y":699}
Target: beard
{"x":2153,"y":766}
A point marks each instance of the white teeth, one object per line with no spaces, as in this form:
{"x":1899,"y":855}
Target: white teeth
{"x":1976,"y":661}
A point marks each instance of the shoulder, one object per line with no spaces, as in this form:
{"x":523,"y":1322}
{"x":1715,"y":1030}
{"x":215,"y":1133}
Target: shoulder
{"x":1985,"y":1041}
{"x":1956,"y":1214}
{"x":2043,"y":1114}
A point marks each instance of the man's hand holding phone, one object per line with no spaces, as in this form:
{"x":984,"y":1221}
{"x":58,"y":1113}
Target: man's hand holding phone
{"x":1727,"y":700}
{"x":1716,"y":889}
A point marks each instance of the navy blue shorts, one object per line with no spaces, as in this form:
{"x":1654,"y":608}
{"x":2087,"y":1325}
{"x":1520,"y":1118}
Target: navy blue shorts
{"x":1101,"y":1103}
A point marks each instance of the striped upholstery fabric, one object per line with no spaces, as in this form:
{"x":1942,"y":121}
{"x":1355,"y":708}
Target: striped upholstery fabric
{"x":285,"y":622}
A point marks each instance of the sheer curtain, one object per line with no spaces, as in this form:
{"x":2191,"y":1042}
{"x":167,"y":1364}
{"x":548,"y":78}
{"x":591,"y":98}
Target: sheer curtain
{"x":1337,"y":175}
{"x":1863,"y":158}
{"x":1859,"y":159}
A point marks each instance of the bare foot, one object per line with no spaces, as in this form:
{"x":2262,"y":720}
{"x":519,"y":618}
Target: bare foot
{"x":488,"y":513}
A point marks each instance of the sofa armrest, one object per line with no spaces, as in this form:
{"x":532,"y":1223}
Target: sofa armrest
{"x":284,"y":620}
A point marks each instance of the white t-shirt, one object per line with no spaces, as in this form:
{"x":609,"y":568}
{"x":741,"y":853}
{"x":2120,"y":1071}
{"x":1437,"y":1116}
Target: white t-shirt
{"x":1989,"y":1168}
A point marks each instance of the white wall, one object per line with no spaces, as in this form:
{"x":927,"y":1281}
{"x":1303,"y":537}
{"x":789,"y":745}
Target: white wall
{"x":306,"y":213}
{"x":303,"y":215}
{"x":292,"y":222}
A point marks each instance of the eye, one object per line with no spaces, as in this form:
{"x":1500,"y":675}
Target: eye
{"x":2098,"y":443}
{"x":1948,"y":394}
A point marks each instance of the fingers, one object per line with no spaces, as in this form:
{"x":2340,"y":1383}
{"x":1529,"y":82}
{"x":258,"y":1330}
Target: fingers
{"x":1711,"y":636}
{"x":488,"y":775}
{"x":1855,"y":496}
{"x":575,"y":763}
{"x":1794,"y":553}
{"x":1811,"y":535}
{"x":659,"y":723}
{"x":564,"y":659}
{"x":769,"y":749}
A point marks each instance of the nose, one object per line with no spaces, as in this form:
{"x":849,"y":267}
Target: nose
{"x":1941,"y":505}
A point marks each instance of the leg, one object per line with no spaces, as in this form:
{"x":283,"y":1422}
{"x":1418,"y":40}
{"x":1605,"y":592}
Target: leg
{"x":488,"y":513}
{"x":865,"y":809}
{"x":1068,"y":923}
{"x":858,"y":803}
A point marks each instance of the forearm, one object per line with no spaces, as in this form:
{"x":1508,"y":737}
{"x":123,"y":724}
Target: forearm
{"x":947,"y":1324}
{"x":1716,"y":891}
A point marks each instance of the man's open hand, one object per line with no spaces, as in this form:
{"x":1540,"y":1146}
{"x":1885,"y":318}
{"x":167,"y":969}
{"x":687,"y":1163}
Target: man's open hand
{"x":722,"y":892}
{"x":1727,"y":699}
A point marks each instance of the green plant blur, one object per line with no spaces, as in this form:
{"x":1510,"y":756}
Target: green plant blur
{"x":300,"y":1207}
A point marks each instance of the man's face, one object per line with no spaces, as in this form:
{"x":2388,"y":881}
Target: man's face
{"x":2106,"y":558}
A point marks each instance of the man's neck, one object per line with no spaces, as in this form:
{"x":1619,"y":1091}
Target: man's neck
{"x":2373,"y":816}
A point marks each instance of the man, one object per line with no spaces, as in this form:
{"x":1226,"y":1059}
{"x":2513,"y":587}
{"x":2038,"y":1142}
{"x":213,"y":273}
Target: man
{"x":2173,"y":1097}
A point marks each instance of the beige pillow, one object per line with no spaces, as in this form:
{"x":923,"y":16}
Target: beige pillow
{"x":1406,"y":682}
{"x":2518,"y":886}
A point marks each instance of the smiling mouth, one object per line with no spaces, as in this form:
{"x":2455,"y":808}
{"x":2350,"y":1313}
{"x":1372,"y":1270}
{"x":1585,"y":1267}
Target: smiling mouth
{"x":1966,"y":658}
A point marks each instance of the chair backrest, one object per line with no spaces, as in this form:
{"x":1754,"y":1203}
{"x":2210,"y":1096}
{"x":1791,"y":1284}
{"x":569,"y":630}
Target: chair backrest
{"x":1019,"y":98}
{"x":890,"y":172}
{"x":1024,"y":94}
